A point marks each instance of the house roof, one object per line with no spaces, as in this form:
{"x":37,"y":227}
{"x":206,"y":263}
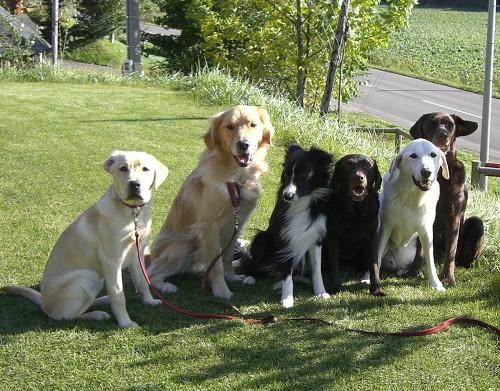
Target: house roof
{"x":25,"y":27}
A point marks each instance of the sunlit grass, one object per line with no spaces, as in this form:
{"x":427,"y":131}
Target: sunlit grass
{"x":54,"y":136}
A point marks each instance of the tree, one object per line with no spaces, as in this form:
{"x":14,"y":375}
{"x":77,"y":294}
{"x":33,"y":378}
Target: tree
{"x":68,"y":14}
{"x":283,"y":45}
{"x":336,"y":57}
{"x":14,"y":49}
{"x":95,"y":20}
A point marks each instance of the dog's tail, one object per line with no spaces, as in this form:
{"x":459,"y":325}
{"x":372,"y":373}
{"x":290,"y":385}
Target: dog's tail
{"x":29,"y":293}
{"x":470,"y":241}
{"x":257,"y":263}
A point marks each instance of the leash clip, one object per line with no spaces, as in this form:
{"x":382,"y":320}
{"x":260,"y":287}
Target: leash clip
{"x":236,"y":215}
{"x":135,"y":215}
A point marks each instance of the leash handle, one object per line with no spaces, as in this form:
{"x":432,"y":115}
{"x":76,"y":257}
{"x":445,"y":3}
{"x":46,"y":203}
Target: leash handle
{"x":431,"y":330}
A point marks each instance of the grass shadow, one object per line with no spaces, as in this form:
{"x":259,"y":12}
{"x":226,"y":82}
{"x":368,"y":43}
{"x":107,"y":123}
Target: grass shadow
{"x":313,"y":357}
{"x":163,"y":119}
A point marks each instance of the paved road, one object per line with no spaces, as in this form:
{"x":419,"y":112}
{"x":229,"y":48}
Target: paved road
{"x":70,"y":64}
{"x":403,"y":100}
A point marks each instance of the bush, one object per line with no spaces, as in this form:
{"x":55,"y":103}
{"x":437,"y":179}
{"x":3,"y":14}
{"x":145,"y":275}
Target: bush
{"x":14,"y":49}
{"x":101,"y":52}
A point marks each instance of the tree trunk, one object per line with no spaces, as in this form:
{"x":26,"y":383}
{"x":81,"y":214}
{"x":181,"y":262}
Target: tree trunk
{"x":334,"y":59}
{"x":301,"y":77}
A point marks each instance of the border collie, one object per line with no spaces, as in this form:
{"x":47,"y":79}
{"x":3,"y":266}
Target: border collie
{"x":298,"y":223}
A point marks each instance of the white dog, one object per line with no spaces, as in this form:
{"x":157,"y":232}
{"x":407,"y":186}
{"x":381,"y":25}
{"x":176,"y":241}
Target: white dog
{"x":99,"y":243}
{"x":408,"y":207}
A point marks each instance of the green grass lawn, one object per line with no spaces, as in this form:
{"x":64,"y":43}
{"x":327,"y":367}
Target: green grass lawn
{"x":442,"y":45}
{"x":53,"y":138}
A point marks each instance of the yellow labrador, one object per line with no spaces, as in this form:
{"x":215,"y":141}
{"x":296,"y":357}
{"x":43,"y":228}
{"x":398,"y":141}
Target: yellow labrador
{"x":408,"y":208}
{"x":95,"y":248}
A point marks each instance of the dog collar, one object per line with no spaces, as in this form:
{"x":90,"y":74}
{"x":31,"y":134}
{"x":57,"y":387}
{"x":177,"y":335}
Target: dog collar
{"x":131,"y":206}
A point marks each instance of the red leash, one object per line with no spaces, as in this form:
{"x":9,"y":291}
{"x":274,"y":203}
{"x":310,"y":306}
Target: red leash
{"x":410,"y":333}
{"x":193,"y":314}
{"x":274,"y":319}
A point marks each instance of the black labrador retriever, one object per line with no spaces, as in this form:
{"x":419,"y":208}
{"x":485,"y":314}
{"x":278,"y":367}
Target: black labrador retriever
{"x":352,"y":217}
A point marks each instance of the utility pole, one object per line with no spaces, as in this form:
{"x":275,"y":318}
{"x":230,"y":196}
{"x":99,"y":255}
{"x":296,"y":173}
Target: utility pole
{"x":488,"y":81}
{"x":55,"y":30}
{"x":132,"y":65}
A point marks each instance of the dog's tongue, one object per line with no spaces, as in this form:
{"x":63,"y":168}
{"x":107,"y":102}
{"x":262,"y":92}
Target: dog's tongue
{"x":243,"y":159}
{"x":358,"y":193}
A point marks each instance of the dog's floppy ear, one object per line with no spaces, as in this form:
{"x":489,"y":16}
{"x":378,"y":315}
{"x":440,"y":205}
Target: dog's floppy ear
{"x":377,"y":182}
{"x":337,"y":178}
{"x":444,"y":165}
{"x":211,"y":137}
{"x":417,"y":130}
{"x":111,"y":159}
{"x":161,"y":173}
{"x":267,"y":137}
{"x":324,"y":158}
{"x":293,"y":149}
{"x":395,"y":164}
{"x":333,"y":181}
{"x":464,"y":128}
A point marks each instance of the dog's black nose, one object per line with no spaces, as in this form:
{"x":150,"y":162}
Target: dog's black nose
{"x":287,"y":196}
{"x":243,"y":145}
{"x":360,"y":177}
{"x":425,"y":173}
{"x":133,"y":185}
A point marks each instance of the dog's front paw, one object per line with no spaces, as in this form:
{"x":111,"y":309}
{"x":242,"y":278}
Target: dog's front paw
{"x":323,"y":295}
{"x":439,"y":287}
{"x":224,"y":294}
{"x":167,"y":287}
{"x":129,"y":324}
{"x":151,"y":301}
{"x":436,"y":284}
{"x":287,"y":302}
{"x":448,"y":281}
{"x":96,"y":315}
{"x":377,"y":291}
{"x":249,"y":280}
{"x":233,"y":277}
{"x":366,"y":278}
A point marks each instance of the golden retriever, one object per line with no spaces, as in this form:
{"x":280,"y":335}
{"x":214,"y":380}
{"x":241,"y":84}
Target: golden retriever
{"x":99,"y":243}
{"x":200,"y":223}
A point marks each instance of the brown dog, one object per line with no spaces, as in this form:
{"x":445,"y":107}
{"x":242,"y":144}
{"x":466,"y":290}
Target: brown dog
{"x":457,"y":239}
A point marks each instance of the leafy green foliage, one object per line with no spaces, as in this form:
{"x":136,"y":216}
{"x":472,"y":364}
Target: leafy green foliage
{"x":95,"y":20}
{"x":15,"y":50}
{"x":446,"y":46}
{"x":260,"y":38}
